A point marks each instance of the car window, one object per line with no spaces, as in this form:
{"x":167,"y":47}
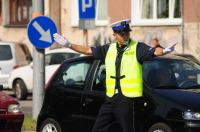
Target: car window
{"x":100,"y":78}
{"x":27,"y":52}
{"x":47,"y":59}
{"x":70,"y":55}
{"x":73,"y":75}
{"x":159,"y":74}
{"x":5,"y":52}
{"x":58,"y":58}
{"x":22,"y":54}
{"x":171,"y":73}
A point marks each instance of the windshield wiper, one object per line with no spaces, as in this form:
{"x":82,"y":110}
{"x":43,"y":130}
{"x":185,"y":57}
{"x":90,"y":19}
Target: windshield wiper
{"x":167,"y":87}
{"x":192,"y":87}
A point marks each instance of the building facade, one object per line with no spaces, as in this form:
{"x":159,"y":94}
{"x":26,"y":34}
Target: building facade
{"x":167,"y":20}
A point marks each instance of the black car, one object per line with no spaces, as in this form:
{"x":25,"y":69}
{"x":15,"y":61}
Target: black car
{"x":171,"y":101}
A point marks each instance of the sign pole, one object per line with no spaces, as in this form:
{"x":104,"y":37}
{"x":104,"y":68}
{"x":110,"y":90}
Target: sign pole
{"x":85,"y":36}
{"x":86,"y":17}
{"x":38,"y":66}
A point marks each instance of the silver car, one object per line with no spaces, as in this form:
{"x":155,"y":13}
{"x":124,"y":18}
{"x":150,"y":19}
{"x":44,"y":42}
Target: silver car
{"x":12,"y":55}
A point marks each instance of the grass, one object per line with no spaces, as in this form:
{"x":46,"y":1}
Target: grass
{"x":29,"y":124}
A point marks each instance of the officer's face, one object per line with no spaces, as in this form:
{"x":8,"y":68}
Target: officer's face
{"x":121,"y":37}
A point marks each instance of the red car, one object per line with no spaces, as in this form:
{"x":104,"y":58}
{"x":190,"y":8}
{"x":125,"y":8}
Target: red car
{"x":11,"y":117}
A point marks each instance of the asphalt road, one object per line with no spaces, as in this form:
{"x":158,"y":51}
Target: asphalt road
{"x":26,"y":105}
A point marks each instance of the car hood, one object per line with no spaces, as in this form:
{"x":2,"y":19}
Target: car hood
{"x":22,"y":68}
{"x":6,"y":100}
{"x":188,"y":98}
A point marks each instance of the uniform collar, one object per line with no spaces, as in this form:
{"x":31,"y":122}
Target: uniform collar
{"x":124,"y":46}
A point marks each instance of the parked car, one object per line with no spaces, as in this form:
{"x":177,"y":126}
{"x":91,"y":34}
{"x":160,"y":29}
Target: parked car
{"x":12,"y":55}
{"x":170,"y":103}
{"x":21,"y":79}
{"x":11,"y":117}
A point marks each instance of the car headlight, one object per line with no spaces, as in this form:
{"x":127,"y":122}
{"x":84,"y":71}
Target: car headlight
{"x":14,"y":108}
{"x":189,"y":115}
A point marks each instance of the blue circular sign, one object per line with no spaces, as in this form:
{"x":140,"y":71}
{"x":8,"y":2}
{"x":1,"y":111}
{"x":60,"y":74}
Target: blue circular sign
{"x":40,"y":32}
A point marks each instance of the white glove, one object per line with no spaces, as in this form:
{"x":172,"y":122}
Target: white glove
{"x":169,"y":49}
{"x":61,"y":40}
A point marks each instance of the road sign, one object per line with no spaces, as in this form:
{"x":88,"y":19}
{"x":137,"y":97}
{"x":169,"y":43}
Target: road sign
{"x":87,"y":14}
{"x":87,"y":9}
{"x":40,"y":32}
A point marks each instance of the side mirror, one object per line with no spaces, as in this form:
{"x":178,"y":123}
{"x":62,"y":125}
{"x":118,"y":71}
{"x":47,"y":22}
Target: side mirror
{"x":1,"y":87}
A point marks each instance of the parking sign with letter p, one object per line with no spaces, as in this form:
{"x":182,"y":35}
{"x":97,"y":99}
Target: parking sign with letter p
{"x":87,"y":9}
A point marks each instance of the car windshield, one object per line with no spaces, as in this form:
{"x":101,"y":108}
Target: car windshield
{"x":179,"y":74}
{"x":5,"y":52}
{"x":58,"y":58}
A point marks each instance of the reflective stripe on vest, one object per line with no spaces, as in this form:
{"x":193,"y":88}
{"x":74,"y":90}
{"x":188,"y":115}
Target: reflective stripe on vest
{"x":132,"y":84}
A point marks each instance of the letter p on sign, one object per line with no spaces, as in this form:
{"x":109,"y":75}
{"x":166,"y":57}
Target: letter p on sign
{"x":87,"y":9}
{"x":86,"y":5}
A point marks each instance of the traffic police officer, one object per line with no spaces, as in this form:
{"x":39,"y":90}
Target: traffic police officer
{"x":123,"y":60}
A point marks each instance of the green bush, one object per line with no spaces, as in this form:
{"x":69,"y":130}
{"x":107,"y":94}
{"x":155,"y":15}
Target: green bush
{"x":28,"y":123}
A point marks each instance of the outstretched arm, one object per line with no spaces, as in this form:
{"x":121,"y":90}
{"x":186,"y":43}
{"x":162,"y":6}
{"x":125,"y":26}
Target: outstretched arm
{"x":79,"y":48}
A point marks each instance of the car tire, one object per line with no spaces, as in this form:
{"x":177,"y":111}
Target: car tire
{"x":20,"y":90}
{"x":160,"y":127}
{"x":50,"y":125}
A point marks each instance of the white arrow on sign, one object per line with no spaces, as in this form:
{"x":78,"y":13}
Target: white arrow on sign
{"x":45,"y":35}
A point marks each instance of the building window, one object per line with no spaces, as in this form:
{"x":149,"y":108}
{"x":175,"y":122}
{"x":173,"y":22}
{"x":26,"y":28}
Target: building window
{"x":20,"y":11}
{"x":156,"y":12}
{"x":101,"y":13}
{"x":147,"y":9}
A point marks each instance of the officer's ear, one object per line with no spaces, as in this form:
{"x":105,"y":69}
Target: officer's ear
{"x":114,"y":34}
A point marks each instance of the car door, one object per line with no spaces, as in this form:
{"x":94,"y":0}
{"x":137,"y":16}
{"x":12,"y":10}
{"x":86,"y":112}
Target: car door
{"x":50,"y":65}
{"x":145,"y":105}
{"x":67,"y":92}
{"x":93,"y":96}
{"x":143,"y":108}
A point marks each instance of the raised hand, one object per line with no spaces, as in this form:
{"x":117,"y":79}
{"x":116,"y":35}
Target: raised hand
{"x":61,"y":40}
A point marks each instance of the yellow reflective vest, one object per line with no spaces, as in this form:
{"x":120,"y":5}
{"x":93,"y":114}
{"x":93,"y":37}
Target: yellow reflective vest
{"x":131,"y":84}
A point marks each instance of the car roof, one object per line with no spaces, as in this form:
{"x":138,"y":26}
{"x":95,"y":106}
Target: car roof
{"x":171,"y":56}
{"x":164,"y":57}
{"x":179,"y":57}
{"x":179,"y":54}
{"x":61,"y":50}
{"x":9,"y":43}
{"x":82,"y":57}
{"x":189,"y":56}
{"x":5,"y":43}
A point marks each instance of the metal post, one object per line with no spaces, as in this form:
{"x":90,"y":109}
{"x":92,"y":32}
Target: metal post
{"x":182,"y":28}
{"x":38,"y":66}
{"x":85,"y":36}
